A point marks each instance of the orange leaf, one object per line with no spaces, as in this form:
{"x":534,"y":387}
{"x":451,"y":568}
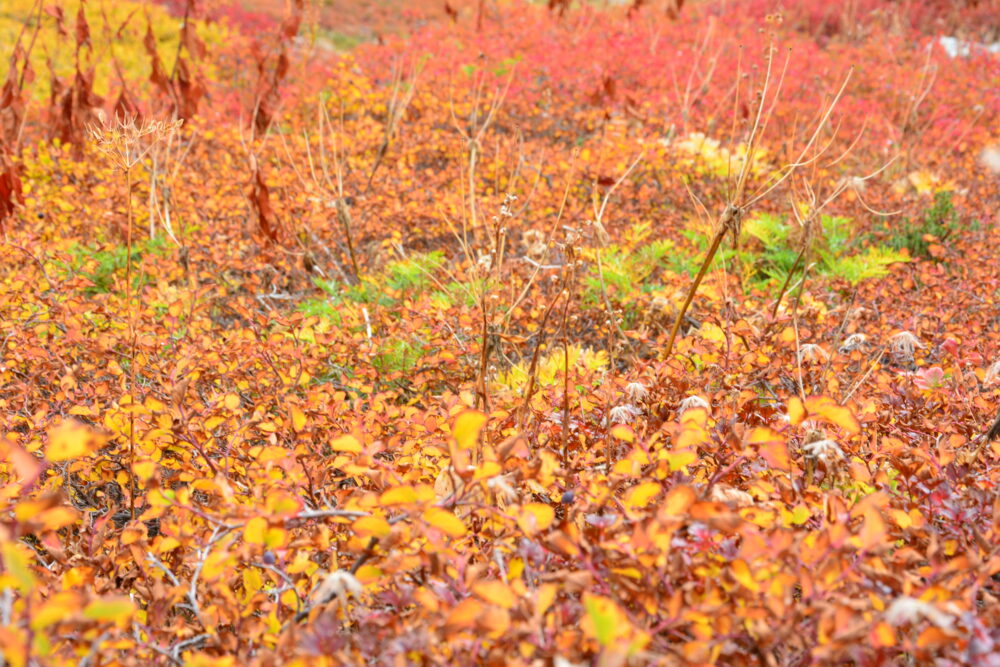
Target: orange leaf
{"x":678,"y":501}
{"x":495,"y":592}
{"x":464,"y":614}
{"x":27,"y":467}
{"x":872,"y":530}
{"x":298,"y":419}
{"x":772,"y":447}
{"x":934,"y":637}
{"x":494,"y":621}
{"x":882,"y":635}
{"x":827,"y":409}
{"x":639,"y":496}
{"x":71,"y":439}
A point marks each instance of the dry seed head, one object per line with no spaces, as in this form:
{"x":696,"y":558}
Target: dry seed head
{"x":906,"y":609}
{"x":126,"y":140}
{"x":501,"y":486}
{"x":992,"y":373}
{"x":624,"y":414}
{"x":337,"y":584}
{"x":904,"y":344}
{"x":636,"y":391}
{"x":692,"y":402}
{"x":823,"y":450}
{"x":601,"y":234}
{"x":810,"y":353}
{"x":853,"y":342}
{"x":990,"y":158}
{"x":721,"y":493}
{"x":537,"y":251}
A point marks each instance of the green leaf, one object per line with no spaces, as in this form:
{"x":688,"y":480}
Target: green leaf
{"x":603,"y":617}
{"x":116,"y":609}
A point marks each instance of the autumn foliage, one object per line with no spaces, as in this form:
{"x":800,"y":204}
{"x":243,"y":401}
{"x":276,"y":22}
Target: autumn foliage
{"x":499,"y":332}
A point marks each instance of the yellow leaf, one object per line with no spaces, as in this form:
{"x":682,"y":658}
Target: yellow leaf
{"x":346,"y":443}
{"x":282,"y":504}
{"x":232,"y":401}
{"x":373,"y":526}
{"x":623,"y":432}
{"x":217,"y":564}
{"x":639,"y":496}
{"x":399,"y":495}
{"x":487,"y":470}
{"x":71,"y":439}
{"x":902,"y":519}
{"x":495,"y":592}
{"x":544,"y":598}
{"x":741,"y":573}
{"x":17,"y":566}
{"x":368,"y":573}
{"x":712,"y":332}
{"x":275,"y":538}
{"x":167,"y":544}
{"x":799,"y":515}
{"x":144,"y":470}
{"x":536,"y":517}
{"x":298,"y":419}
{"x":161,"y":498}
{"x":58,"y":517}
{"x":444,"y":521}
{"x":630,"y":572}
{"x":796,"y":411}
{"x":252,"y":581}
{"x":213,"y":423}
{"x":255,"y":531}
{"x":467,"y":428}
{"x":677,"y":460}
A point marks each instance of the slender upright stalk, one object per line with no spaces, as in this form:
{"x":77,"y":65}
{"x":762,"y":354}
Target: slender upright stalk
{"x":131,"y":337}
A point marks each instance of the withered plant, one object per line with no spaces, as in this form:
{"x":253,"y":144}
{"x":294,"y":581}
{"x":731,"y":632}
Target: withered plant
{"x":126,"y":142}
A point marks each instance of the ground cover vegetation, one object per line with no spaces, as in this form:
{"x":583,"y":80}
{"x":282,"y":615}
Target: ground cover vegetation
{"x":499,"y":332}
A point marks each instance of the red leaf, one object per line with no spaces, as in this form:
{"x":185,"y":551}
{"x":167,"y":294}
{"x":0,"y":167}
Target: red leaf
{"x":82,"y":28}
